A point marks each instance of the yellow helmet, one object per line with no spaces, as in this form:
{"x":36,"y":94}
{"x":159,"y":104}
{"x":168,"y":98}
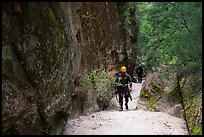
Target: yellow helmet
{"x":123,"y":69}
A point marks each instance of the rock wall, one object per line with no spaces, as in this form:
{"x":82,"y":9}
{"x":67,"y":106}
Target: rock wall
{"x":192,"y":92}
{"x":46,"y":49}
{"x":161,"y":94}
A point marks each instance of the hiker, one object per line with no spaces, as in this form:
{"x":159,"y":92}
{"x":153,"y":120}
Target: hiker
{"x":134,"y":73}
{"x":139,"y":73}
{"x":124,"y":87}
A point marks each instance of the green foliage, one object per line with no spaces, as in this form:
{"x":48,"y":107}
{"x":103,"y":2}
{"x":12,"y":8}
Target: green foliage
{"x":155,"y":88}
{"x":197,"y":130}
{"x":46,"y":130}
{"x":127,"y":16}
{"x":170,"y":40}
{"x":144,"y":94}
{"x":122,"y":12}
{"x":170,"y":34}
{"x":51,"y":15}
{"x":194,"y":120}
{"x":101,"y":83}
{"x":153,"y":99}
{"x":174,"y":96}
{"x":87,"y":19}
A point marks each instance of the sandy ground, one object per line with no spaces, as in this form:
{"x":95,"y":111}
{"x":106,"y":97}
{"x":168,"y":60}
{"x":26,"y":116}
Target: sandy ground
{"x":127,"y":122}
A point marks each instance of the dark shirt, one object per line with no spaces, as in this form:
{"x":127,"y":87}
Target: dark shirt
{"x":139,"y":70}
{"x":123,"y":80}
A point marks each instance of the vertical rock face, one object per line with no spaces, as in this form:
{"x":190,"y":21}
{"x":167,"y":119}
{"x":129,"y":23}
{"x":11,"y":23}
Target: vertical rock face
{"x":99,"y":34}
{"x":47,"y":48}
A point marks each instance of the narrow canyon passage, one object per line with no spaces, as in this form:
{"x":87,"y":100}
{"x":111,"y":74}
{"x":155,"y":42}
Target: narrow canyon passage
{"x":127,"y":122}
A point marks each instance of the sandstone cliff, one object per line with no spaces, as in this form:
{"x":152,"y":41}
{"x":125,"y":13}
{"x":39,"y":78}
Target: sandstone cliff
{"x":46,"y":49}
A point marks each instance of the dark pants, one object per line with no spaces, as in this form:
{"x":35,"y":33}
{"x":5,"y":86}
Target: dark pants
{"x":139,"y":77}
{"x":123,"y":92}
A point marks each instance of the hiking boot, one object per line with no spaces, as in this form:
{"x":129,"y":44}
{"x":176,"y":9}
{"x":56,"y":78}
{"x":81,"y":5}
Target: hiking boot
{"x":126,"y":106}
{"x":120,"y":109}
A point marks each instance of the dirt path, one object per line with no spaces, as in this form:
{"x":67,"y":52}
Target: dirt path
{"x":127,"y":122}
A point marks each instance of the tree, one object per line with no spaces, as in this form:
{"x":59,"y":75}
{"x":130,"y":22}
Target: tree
{"x":171,"y":39}
{"x":170,"y":34}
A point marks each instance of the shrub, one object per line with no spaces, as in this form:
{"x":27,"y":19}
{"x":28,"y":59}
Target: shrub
{"x":100,"y":83}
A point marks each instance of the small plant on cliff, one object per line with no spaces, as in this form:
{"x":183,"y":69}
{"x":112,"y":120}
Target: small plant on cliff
{"x":87,"y":18}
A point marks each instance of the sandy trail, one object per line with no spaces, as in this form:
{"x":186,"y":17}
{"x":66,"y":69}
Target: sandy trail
{"x":127,"y":122}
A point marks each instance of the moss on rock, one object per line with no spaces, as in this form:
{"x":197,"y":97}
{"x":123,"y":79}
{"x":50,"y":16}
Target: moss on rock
{"x":173,"y":96}
{"x":144,"y":94}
